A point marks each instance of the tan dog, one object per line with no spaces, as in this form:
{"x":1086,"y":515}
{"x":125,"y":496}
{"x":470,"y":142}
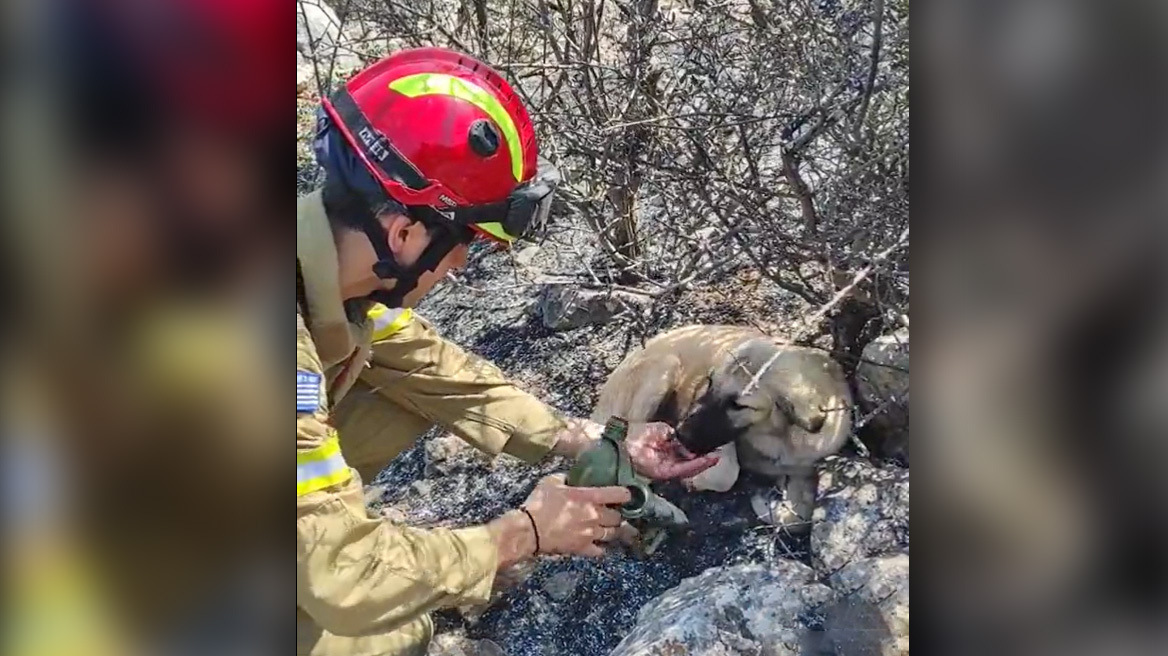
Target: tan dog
{"x":769,"y":407}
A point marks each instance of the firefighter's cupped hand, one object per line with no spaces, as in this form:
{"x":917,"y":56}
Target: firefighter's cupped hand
{"x":655,"y":453}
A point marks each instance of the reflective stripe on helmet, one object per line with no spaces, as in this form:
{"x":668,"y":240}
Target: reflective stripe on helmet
{"x":495,"y":230}
{"x":386,"y":321}
{"x":425,"y":84}
{"x":321,"y":467}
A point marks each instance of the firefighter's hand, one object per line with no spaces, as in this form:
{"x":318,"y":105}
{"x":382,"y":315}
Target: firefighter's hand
{"x":571,"y":520}
{"x":656,"y":454}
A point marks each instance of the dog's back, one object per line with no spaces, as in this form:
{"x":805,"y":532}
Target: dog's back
{"x":659,"y":381}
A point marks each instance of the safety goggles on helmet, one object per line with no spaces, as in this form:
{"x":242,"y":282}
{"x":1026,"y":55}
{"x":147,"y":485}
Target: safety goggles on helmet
{"x":522,"y":213}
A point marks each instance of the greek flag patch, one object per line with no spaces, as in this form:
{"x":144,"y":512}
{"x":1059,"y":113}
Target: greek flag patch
{"x":307,"y":391}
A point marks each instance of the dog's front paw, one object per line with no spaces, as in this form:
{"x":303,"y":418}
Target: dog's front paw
{"x":722,"y":476}
{"x":780,"y":512}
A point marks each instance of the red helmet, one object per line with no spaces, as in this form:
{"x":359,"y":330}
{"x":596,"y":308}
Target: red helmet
{"x":442,"y":130}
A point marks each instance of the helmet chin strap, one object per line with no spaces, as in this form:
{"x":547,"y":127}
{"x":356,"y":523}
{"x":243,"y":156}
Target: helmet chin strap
{"x":442,"y":242}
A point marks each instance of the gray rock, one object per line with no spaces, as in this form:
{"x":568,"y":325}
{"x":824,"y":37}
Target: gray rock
{"x":886,"y":367}
{"x":316,"y":24}
{"x":562,"y":585}
{"x":393,"y":514}
{"x":525,"y":256}
{"x":447,"y":453}
{"x":861,"y":511}
{"x":422,"y":488}
{"x":456,"y":644}
{"x":318,"y":34}
{"x":564,"y":307}
{"x":851,"y":627}
{"x":507,"y":580}
{"x":823,"y":342}
{"x":374,"y":495}
{"x":744,"y":609}
{"x":304,"y":72}
{"x":882,"y":380}
{"x":878,"y":589}
{"x":771,"y":507}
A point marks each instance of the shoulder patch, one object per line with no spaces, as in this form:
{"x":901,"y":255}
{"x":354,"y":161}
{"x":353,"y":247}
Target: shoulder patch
{"x":307,"y":391}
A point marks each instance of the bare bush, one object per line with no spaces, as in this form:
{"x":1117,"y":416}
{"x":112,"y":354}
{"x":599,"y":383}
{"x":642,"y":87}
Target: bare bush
{"x":700,"y":136}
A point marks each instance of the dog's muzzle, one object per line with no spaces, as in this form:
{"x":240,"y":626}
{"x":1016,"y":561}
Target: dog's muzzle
{"x":688,"y":439}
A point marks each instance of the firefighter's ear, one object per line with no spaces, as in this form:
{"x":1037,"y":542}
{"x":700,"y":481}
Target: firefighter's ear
{"x":400,"y":230}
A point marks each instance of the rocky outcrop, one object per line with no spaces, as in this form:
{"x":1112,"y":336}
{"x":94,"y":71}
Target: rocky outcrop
{"x":882,"y":380}
{"x":873,"y":603}
{"x":564,"y":307}
{"x":861,"y":511}
{"x":769,"y":609}
{"x":854,"y":602}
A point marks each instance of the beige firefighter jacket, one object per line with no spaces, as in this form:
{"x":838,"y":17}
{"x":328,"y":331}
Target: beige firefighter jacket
{"x":366,"y":389}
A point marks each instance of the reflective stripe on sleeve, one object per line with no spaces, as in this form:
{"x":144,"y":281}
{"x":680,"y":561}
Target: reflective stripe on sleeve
{"x":321,"y":467}
{"x":388,"y":321}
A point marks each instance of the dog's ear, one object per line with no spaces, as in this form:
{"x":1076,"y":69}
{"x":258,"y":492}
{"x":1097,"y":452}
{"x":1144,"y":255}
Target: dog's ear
{"x":704,"y":385}
{"x":810,"y":419}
